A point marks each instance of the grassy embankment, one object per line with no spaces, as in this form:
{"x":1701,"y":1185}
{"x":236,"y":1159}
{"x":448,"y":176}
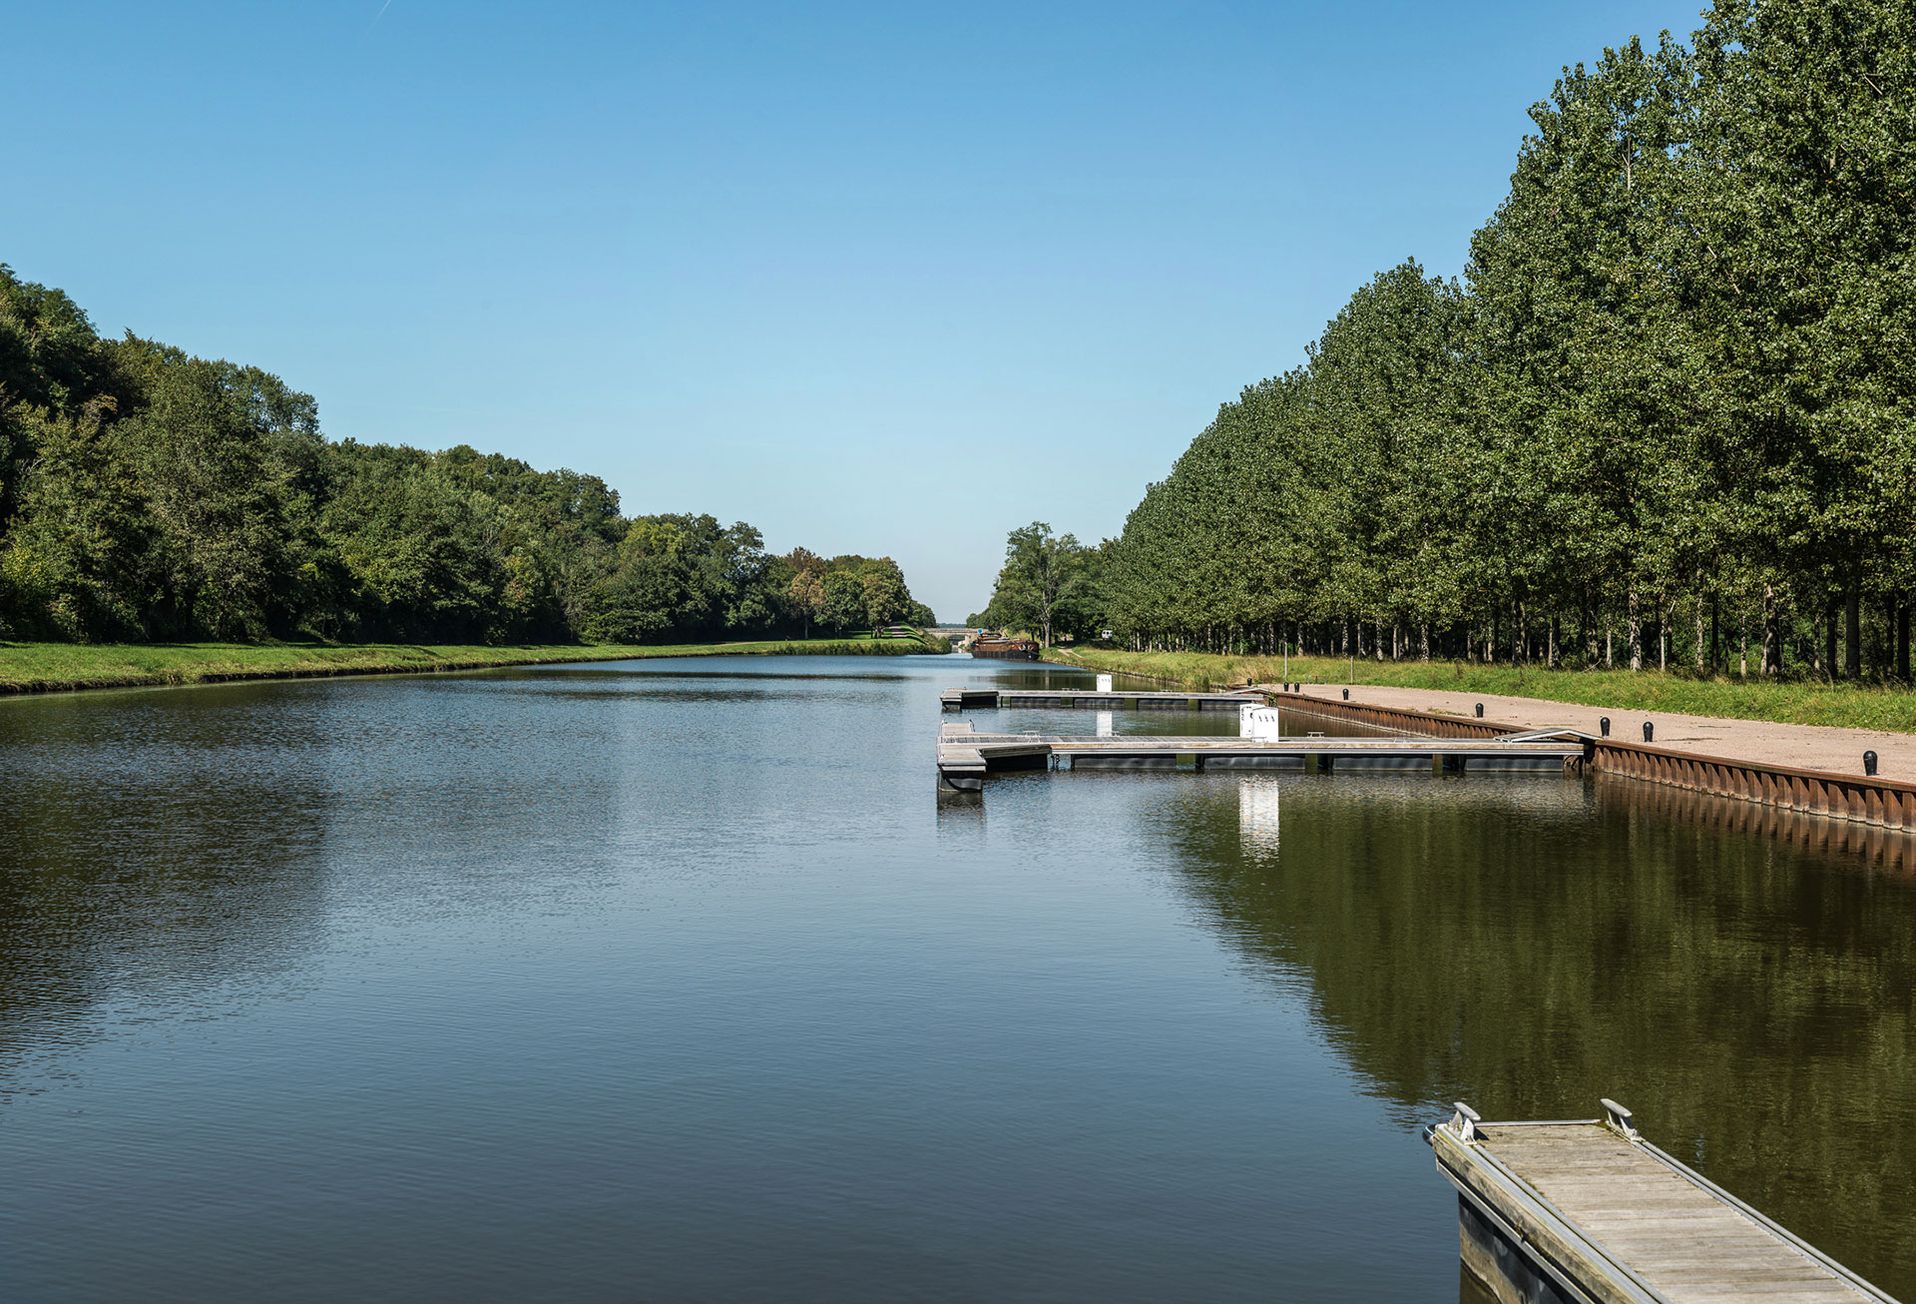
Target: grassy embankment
{"x":1853,"y":706}
{"x":53,"y":667}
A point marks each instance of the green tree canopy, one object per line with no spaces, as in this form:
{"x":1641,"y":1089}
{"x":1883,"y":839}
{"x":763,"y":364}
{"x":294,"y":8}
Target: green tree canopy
{"x":1669,"y":411}
{"x":148,"y":494}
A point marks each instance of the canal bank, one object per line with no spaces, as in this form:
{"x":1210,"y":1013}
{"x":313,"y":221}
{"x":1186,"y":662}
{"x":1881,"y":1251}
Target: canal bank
{"x":1846,"y":704}
{"x":1755,"y":742}
{"x":70,"y":667}
{"x":1866,"y":776}
{"x":1744,"y":760}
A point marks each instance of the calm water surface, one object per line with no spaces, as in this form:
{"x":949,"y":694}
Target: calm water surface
{"x":671,"y":980}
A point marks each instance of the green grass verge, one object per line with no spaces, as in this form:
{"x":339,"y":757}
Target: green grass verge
{"x":1851,"y":706}
{"x":55,"y":667}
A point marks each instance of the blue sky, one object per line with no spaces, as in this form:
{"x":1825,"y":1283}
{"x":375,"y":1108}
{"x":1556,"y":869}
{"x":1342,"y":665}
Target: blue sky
{"x":887,"y":278}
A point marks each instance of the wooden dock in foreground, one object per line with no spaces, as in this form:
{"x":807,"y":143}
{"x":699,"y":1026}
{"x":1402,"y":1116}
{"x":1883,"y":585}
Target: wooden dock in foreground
{"x":966,"y":756}
{"x":1588,"y":1212}
{"x":989,"y":699}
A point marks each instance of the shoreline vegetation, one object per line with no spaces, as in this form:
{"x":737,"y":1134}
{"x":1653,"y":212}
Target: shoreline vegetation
{"x":32,"y":668}
{"x":1842,"y":705}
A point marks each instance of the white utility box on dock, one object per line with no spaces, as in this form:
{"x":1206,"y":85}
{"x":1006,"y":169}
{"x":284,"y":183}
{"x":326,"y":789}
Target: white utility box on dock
{"x":1258,"y":722}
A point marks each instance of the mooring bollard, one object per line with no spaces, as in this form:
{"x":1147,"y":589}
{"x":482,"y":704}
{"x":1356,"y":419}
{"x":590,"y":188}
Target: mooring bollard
{"x":1603,"y":726}
{"x":1649,"y":731}
{"x":1347,"y":694}
{"x":1869,"y":764}
{"x":1480,"y":710}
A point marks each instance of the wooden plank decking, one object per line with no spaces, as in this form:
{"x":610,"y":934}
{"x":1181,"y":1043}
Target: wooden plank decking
{"x":1589,"y":1211}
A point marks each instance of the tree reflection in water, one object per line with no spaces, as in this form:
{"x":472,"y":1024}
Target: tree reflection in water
{"x":1746,"y":983}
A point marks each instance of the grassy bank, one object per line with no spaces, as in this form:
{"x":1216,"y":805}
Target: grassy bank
{"x":1795,"y":702}
{"x":54,"y":667}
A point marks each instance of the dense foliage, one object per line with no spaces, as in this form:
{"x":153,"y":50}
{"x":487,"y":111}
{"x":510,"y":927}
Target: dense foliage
{"x":1668,"y":414}
{"x":146,"y":494}
{"x":1049,"y":585}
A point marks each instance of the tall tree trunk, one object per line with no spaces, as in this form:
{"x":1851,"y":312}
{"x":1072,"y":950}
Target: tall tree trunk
{"x":1703,"y":648}
{"x":1636,"y":633}
{"x":1853,"y":635}
{"x":1771,"y":662}
{"x":1829,"y":644}
{"x":1552,"y":653}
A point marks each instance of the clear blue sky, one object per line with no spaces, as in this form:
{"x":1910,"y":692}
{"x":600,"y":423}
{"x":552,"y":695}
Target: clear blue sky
{"x":886,"y":278}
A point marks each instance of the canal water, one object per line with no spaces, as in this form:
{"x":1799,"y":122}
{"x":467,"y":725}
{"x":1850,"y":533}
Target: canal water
{"x":672,"y":980}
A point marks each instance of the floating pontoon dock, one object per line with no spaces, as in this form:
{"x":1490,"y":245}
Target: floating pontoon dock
{"x":1588,"y":1212}
{"x":966,"y":756}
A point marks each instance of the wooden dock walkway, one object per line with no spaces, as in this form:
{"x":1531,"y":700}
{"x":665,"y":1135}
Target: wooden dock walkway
{"x":988,"y":699}
{"x":1588,"y":1212}
{"x":966,"y":756}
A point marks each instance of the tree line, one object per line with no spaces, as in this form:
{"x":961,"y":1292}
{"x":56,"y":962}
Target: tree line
{"x":149,"y":495}
{"x":1667,"y":416}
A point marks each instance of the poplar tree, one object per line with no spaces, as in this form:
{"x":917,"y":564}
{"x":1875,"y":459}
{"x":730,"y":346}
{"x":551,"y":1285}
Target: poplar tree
{"x":1672,"y":405}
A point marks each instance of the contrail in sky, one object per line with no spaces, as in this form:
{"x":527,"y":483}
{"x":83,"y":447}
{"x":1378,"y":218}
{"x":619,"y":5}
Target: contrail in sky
{"x":381,"y":14}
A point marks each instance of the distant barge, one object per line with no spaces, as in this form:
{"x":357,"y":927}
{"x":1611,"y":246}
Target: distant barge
{"x":1005,"y":649}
